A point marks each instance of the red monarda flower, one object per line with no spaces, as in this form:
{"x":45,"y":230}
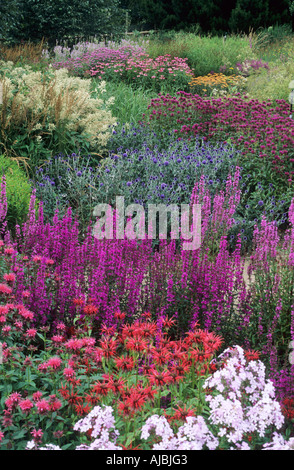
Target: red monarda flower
{"x":287,"y":407}
{"x":251,"y":355}
{"x":212,"y":342}
{"x":116,"y":385}
{"x":101,"y":388}
{"x":159,"y":378}
{"x":136,"y":399}
{"x":81,"y":409}
{"x":108,"y":347}
{"x":124,"y":363}
{"x":125,"y":409}
{"x":119,"y":316}
{"x":136,"y":344}
{"x":182,"y":413}
{"x":90,"y":310}
{"x":161,"y":356}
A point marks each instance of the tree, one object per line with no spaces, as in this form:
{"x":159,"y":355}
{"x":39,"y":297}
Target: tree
{"x":55,"y":19}
{"x":249,"y":14}
{"x":10,"y":15}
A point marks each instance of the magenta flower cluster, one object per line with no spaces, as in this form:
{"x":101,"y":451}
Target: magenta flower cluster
{"x":260,"y":130}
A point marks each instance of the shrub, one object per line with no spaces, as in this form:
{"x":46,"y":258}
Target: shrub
{"x":50,"y":112}
{"x":18,"y":190}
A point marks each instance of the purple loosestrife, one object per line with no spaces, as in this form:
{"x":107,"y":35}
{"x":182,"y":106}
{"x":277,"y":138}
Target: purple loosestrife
{"x":3,"y":204}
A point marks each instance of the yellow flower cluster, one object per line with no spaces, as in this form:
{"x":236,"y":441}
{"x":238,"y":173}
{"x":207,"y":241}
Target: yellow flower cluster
{"x":216,"y":81}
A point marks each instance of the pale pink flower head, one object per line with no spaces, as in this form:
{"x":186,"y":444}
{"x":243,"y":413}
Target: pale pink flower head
{"x":6,"y":330}
{"x":61,"y":326}
{"x":5,"y":289}
{"x":31,"y":333}
{"x":54,"y":363}
{"x":37,"y":435}
{"x":57,"y":338}
{"x":37,"y":396}
{"x":68,"y":373}
{"x":43,"y":407}
{"x":12,"y":401}
{"x":25,"y":294}
{"x":26,"y":405}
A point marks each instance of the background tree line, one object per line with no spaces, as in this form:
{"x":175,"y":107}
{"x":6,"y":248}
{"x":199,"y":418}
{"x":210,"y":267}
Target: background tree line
{"x":211,"y":16}
{"x":55,"y":19}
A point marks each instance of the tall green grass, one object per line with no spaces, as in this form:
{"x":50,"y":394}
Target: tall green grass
{"x":205,"y":53}
{"x":129,"y":103}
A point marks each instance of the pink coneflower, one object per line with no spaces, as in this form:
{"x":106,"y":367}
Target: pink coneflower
{"x":74,"y":344}
{"x":61,"y":326}
{"x":43,"y":367}
{"x":50,"y":261}
{"x":9,"y":251}
{"x":18,"y":324}
{"x":4,"y":309}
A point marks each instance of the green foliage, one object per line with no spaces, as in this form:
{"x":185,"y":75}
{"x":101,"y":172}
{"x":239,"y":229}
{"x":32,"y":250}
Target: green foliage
{"x":10,"y":14}
{"x":204,"y":54}
{"x":213,"y":16}
{"x":55,"y":19}
{"x":18,"y":191}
